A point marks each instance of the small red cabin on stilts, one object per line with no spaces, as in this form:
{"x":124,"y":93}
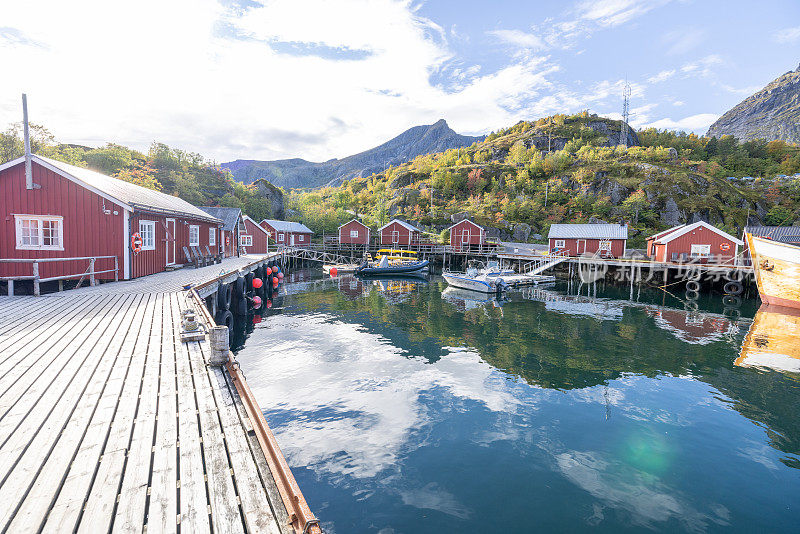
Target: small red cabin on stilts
{"x":699,"y":242}
{"x":254,"y":238}
{"x":64,"y":211}
{"x":397,"y":232}
{"x":288,"y":233}
{"x":467,"y":234}
{"x":605,"y":240}
{"x":354,"y":232}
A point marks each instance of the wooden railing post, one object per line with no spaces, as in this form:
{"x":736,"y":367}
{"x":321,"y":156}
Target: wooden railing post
{"x":116,"y":269}
{"x":91,"y":272}
{"x":36,"y":292}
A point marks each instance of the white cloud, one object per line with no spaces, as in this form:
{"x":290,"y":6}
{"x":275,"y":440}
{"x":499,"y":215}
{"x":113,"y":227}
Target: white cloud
{"x":699,"y":122}
{"x":616,"y":12}
{"x":662,"y":76}
{"x":215,"y":81}
{"x":519,"y":38}
{"x":683,"y":40}
{"x":702,"y":66}
{"x":787,"y":35}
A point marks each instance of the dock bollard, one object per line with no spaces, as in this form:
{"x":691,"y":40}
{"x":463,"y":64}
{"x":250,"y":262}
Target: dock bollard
{"x":219,"y":345}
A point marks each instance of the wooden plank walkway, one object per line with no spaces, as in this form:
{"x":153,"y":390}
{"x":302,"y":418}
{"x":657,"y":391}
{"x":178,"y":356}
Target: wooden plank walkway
{"x":109,"y":423}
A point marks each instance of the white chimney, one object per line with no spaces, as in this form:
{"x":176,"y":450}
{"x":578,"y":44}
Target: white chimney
{"x":28,"y":170}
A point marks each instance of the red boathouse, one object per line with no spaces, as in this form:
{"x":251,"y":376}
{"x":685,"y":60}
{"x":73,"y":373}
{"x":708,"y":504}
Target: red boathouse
{"x":64,"y":211}
{"x":354,"y":232}
{"x":288,"y":233}
{"x":231,"y":228}
{"x":699,"y":242}
{"x":466,"y":234}
{"x":606,"y":240}
{"x":397,"y":232}
{"x":254,"y":239}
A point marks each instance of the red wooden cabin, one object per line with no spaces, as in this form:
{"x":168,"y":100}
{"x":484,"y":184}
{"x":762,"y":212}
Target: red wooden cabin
{"x":700,"y":242}
{"x":254,"y":239}
{"x":397,"y":232}
{"x":606,"y":240}
{"x":354,"y":232}
{"x":466,"y":234}
{"x":231,"y":228}
{"x":288,"y":233}
{"x":71,"y":212}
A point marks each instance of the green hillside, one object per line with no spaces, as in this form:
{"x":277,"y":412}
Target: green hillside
{"x":522,"y":179}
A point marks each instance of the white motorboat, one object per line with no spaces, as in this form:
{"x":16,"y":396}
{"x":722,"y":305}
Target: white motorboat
{"x":486,"y":280}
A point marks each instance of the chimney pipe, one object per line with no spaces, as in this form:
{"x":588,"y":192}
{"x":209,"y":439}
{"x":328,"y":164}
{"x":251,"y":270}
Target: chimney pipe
{"x":28,"y":170}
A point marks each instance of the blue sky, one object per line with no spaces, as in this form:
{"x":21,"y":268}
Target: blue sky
{"x":315,"y":79}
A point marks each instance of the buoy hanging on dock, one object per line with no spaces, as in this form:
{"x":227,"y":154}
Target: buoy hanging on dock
{"x":256,"y":301}
{"x":333,"y":271}
{"x":257,"y":283}
{"x":280,"y":276}
{"x":269,"y":271}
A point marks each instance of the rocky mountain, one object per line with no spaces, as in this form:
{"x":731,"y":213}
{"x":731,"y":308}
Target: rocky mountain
{"x":772,"y":113}
{"x":299,"y":173}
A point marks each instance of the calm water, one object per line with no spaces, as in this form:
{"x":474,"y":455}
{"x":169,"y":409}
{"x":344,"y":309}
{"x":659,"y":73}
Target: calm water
{"x":406,"y":407}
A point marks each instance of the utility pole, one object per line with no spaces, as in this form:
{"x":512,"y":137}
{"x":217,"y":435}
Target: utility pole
{"x":545,"y":192}
{"x":626,"y":95}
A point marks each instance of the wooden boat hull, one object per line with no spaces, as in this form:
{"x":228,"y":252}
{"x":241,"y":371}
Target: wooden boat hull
{"x":461,"y":281}
{"x":773,"y":340}
{"x":408,"y":268}
{"x":777,"y":270}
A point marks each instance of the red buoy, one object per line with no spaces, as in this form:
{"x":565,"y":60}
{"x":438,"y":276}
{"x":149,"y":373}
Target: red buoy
{"x":269,"y":303}
{"x":256,"y":319}
{"x":257,"y":283}
{"x":280,"y":276}
{"x":275,"y":282}
{"x":256,"y":301}
{"x":269,"y":271}
{"x":334,"y":270}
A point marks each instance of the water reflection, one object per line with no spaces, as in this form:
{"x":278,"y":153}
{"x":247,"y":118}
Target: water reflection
{"x":773,"y":340}
{"x":412,"y":408}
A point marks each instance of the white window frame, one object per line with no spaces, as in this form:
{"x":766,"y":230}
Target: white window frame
{"x":301,"y":237}
{"x":395,"y":236}
{"x":246,"y":240}
{"x":604,"y":244}
{"x":559,"y":243}
{"x":194,"y":228}
{"x":280,"y":237}
{"x":40,"y":220}
{"x":465,"y":236}
{"x":212,"y":237}
{"x":700,"y":251}
{"x":353,"y":233}
{"x":148,"y":244}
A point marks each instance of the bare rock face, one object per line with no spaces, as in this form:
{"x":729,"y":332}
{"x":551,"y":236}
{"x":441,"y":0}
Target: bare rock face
{"x":274,"y":195}
{"x":521,"y":232}
{"x":772,"y":113}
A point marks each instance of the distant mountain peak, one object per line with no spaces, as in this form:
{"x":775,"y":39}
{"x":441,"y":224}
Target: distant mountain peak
{"x":299,"y":173}
{"x":771,"y":113}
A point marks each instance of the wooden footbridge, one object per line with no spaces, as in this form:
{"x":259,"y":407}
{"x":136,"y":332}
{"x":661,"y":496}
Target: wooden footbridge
{"x":110,"y":423}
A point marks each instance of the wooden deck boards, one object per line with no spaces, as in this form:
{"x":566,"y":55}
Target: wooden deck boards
{"x":109,"y":423}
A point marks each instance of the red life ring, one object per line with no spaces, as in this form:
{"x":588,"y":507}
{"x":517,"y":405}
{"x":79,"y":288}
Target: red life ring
{"x":136,"y":242}
{"x":725,"y":246}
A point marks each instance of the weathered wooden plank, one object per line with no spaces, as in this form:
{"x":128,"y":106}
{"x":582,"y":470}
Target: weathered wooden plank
{"x":130,"y":513}
{"x":194,"y":516}
{"x":40,"y":431}
{"x":17,"y":344}
{"x":225,"y":515}
{"x":67,"y":503}
{"x":35,"y":398}
{"x":162,"y":509}
{"x":255,"y":506}
{"x":98,"y":511}
{"x":77,"y":450}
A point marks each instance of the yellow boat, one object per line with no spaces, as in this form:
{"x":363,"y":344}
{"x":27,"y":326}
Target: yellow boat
{"x":395,"y":255}
{"x":777,"y":270}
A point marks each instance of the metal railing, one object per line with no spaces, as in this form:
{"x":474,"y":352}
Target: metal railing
{"x":37,"y":280}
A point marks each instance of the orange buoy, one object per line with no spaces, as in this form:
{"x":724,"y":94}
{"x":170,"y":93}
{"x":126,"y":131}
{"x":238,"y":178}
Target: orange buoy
{"x":334,"y":270}
{"x":257,"y":283}
{"x":269,"y":271}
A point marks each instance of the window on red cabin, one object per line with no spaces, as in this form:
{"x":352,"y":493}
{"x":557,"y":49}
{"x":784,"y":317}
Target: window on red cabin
{"x":36,"y":232}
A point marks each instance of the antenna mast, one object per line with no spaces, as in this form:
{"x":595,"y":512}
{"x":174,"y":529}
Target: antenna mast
{"x":626,"y":96}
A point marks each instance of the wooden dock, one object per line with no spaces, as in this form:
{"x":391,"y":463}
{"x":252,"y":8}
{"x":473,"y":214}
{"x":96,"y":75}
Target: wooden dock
{"x":109,"y":423}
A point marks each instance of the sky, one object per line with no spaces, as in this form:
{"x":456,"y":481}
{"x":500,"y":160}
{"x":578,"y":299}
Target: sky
{"x":316,"y":79}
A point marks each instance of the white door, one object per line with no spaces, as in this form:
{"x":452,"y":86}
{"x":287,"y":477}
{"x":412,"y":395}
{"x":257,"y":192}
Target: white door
{"x":581,"y":246}
{"x":170,"y":241}
{"x":395,"y":237}
{"x":291,"y":240}
{"x":465,"y":237}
